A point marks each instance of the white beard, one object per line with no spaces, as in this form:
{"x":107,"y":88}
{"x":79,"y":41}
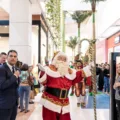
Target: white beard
{"x":62,"y":67}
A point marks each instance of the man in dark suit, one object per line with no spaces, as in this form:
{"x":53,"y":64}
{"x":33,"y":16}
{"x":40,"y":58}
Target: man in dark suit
{"x":3,"y":57}
{"x":9,"y":87}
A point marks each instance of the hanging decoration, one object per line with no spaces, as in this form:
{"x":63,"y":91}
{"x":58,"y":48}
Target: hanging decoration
{"x":53,"y":9}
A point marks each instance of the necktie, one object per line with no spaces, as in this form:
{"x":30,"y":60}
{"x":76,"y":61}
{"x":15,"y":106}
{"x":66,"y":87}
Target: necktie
{"x":13,"y":69}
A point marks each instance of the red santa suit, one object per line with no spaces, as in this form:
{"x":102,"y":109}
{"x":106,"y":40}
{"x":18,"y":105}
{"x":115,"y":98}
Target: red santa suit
{"x":89,"y":81}
{"x":56,"y":107}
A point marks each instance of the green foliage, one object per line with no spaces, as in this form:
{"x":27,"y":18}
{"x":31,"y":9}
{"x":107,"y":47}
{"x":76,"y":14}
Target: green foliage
{"x":72,"y":43}
{"x":86,"y":59}
{"x":81,"y":16}
{"x":95,"y":1}
{"x":53,"y":8}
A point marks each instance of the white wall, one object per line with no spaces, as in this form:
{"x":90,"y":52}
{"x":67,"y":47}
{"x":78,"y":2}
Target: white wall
{"x":35,"y":45}
{"x":43,"y":48}
{"x":4,"y":44}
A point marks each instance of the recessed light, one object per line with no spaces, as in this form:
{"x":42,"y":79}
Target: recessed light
{"x":5,"y":26}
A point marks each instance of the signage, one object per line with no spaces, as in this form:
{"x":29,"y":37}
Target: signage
{"x":117,"y":39}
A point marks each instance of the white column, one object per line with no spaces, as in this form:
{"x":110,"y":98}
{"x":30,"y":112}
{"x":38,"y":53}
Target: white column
{"x":21,"y":29}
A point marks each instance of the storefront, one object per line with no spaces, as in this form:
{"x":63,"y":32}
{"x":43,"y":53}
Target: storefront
{"x":105,"y":47}
{"x":113,"y":44}
{"x":101,"y":52}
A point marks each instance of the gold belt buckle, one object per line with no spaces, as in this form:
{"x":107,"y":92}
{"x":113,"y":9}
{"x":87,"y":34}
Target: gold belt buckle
{"x":61,"y":93}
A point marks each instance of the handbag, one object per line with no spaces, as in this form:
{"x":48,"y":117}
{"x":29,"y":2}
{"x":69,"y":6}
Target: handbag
{"x":30,"y":80}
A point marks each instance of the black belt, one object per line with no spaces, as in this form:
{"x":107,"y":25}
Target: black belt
{"x":60,"y":93}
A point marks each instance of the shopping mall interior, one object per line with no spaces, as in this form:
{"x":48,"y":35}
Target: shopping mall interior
{"x":85,"y":30}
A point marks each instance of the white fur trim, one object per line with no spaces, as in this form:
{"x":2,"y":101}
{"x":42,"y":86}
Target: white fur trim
{"x":43,"y":78}
{"x":87,"y":71}
{"x":53,"y":107}
{"x":59,"y":54}
{"x":71,"y":76}
{"x":66,"y":109}
{"x":57,"y":74}
{"x":52,"y":73}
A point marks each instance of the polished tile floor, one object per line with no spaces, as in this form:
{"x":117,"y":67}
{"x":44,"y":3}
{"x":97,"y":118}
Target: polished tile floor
{"x":76,"y":113}
{"x":102,"y":101}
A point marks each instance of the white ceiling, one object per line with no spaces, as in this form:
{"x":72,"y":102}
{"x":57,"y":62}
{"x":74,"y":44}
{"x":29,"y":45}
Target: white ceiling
{"x":107,"y":13}
{"x":105,"y":16}
{"x":36,"y":7}
{"x":73,"y":5}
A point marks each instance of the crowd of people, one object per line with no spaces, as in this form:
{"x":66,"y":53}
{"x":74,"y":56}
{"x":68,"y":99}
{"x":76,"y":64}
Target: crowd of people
{"x":17,"y":85}
{"x":103,"y":77}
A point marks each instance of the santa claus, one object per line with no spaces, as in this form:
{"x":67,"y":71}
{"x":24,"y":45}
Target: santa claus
{"x":58,"y":78}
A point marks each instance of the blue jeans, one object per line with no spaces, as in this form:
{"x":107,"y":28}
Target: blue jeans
{"x":106,"y":84}
{"x":24,"y":92}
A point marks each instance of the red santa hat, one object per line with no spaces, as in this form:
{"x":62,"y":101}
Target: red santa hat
{"x":56,"y":55}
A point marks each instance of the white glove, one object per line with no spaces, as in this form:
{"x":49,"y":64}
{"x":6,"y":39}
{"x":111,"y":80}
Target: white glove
{"x":87,"y":71}
{"x":91,"y":64}
{"x":40,"y":67}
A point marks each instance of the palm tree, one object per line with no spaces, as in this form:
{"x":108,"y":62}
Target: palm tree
{"x":93,"y":52}
{"x":63,"y":17}
{"x":79,"y":17}
{"x":93,"y":7}
{"x":93,"y":45}
{"x":72,"y":44}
